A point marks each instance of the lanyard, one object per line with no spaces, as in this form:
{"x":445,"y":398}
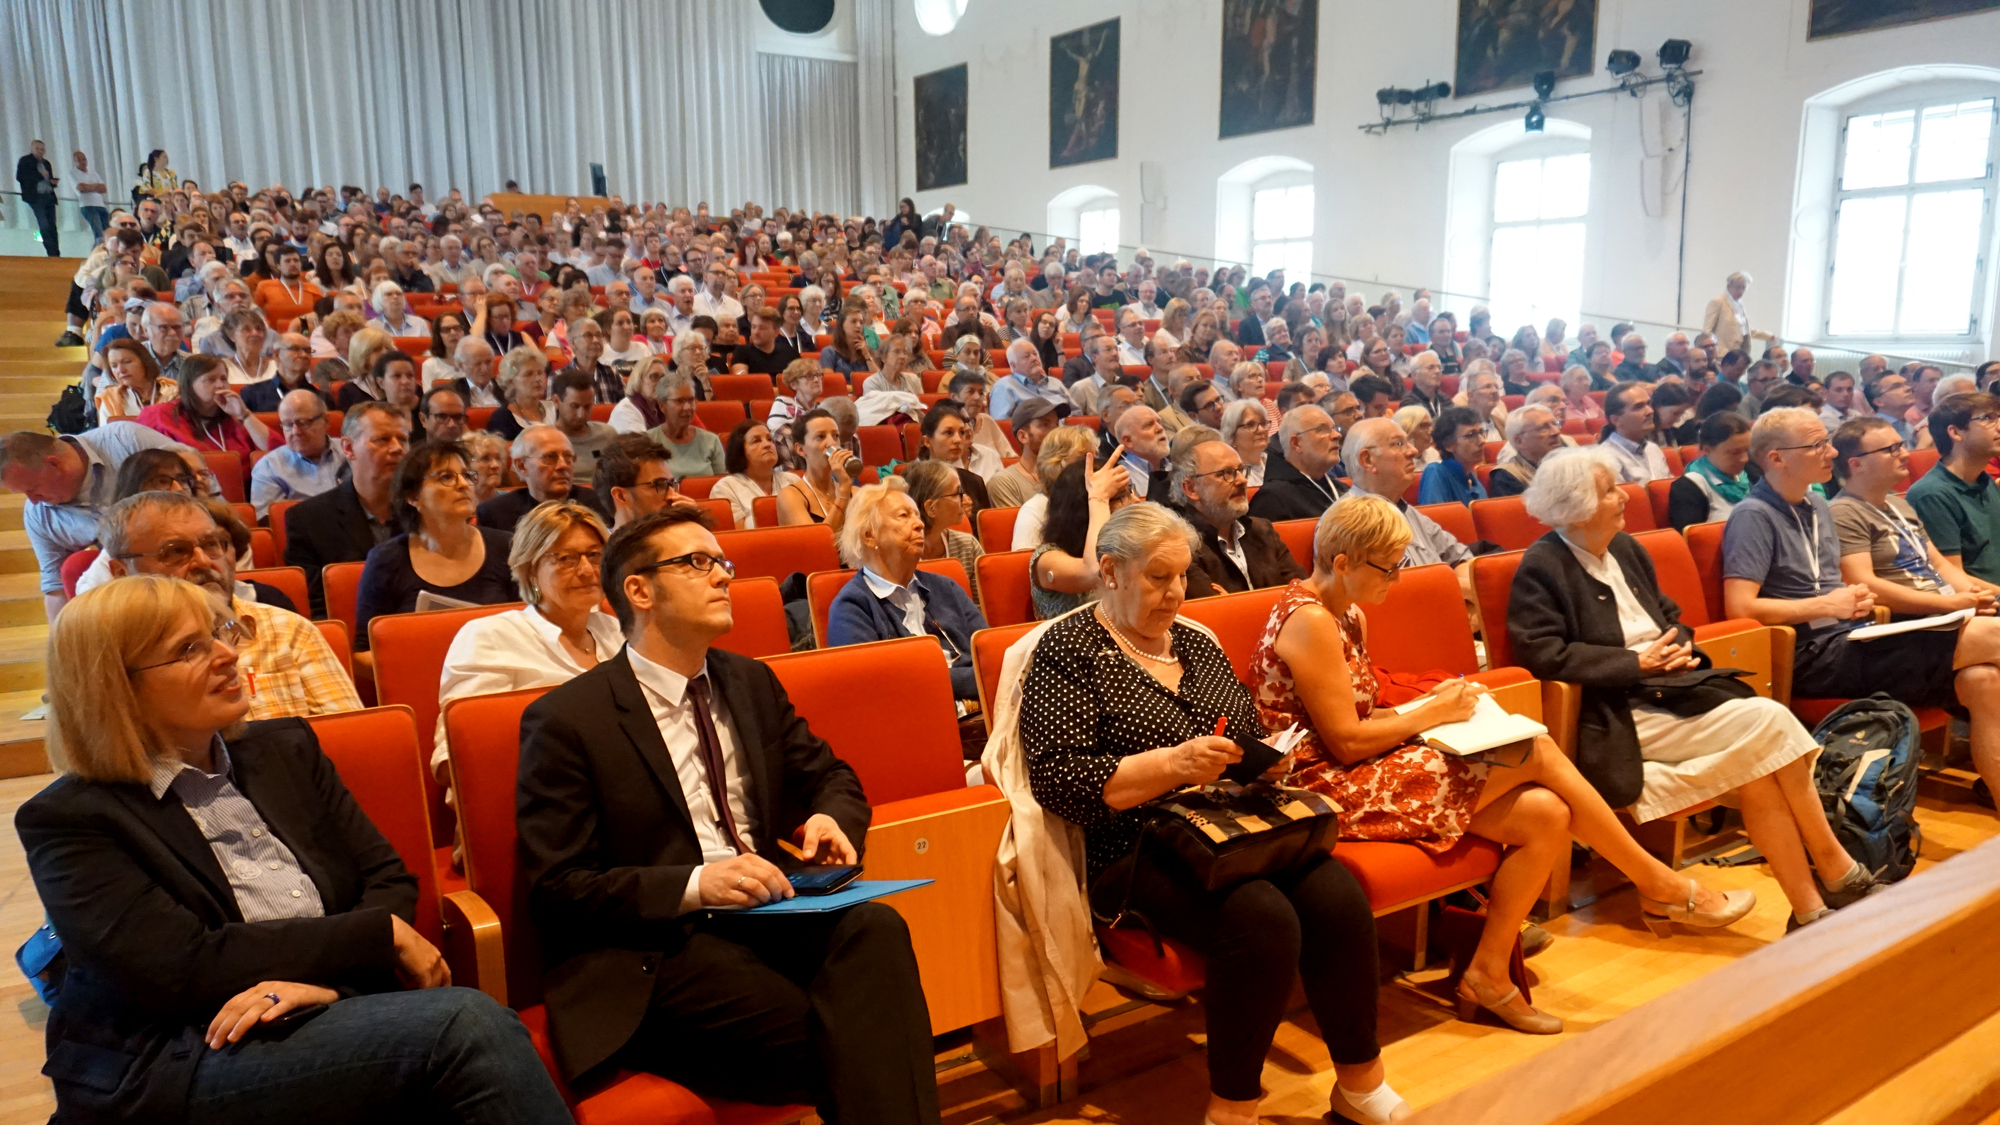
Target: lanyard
{"x":1915,"y":542}
{"x":1812,"y":541}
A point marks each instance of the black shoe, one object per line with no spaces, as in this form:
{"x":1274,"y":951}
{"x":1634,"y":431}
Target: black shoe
{"x":1534,"y":939}
{"x":1864,"y":884}
{"x":69,"y":340}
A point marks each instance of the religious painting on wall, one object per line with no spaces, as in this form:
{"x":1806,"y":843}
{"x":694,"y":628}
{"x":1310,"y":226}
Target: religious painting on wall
{"x":1270,"y":59}
{"x":1083,"y":95}
{"x":1503,"y":43}
{"x":1839,"y":17}
{"x":940,"y":120}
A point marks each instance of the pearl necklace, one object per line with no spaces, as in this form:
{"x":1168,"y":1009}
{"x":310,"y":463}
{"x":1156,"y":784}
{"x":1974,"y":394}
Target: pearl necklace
{"x":1170,"y":658}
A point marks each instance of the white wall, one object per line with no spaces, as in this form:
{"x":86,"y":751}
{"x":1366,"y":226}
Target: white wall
{"x":1382,"y":200}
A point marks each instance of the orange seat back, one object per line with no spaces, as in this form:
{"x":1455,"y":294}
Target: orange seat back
{"x":775,"y":552}
{"x":720,"y":514}
{"x":1674,"y":463}
{"x":276,"y":521}
{"x":1492,"y":583}
{"x":1922,"y":461}
{"x":996,"y":529}
{"x":226,"y":466}
{"x":758,"y":609}
{"x":1238,"y":621}
{"x":376,"y":753}
{"x":484,"y":733}
{"x":1704,"y":542}
{"x":1453,"y":517}
{"x":335,"y":636}
{"x":879,"y":444}
{"x":1004,"y":597}
{"x":741,"y":388}
{"x":1679,"y":578}
{"x":246,"y":514}
{"x":1505,"y":520}
{"x":719,"y":416}
{"x":1656,"y":497}
{"x":764,"y":511}
{"x":409,"y":659}
{"x":989,"y":649}
{"x":263,"y":549}
{"x":289,"y":580}
{"x":74,"y":565}
{"x":906,"y":751}
{"x":1298,"y":537}
{"x":698,"y":488}
{"x":1422,"y":625}
{"x":1639,"y":509}
{"x":342,"y":582}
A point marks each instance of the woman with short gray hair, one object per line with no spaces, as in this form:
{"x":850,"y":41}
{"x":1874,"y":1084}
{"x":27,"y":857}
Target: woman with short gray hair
{"x":1246,"y":426}
{"x":890,"y":597}
{"x":1124,"y":702}
{"x":1586,"y":607}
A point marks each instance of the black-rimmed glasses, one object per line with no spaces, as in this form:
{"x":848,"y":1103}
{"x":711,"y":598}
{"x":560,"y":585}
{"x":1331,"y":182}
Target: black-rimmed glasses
{"x":701,"y":562}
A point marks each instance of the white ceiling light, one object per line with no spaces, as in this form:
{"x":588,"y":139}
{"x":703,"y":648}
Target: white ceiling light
{"x":939,"y":16}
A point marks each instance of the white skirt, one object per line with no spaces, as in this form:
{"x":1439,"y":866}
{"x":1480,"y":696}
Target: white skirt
{"x":1688,"y":761}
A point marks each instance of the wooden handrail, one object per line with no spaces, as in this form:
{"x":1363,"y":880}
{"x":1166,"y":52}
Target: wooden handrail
{"x":1788,"y":1035}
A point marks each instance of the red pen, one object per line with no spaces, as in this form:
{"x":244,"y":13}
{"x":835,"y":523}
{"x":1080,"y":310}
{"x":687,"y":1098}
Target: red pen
{"x":1221,"y":724}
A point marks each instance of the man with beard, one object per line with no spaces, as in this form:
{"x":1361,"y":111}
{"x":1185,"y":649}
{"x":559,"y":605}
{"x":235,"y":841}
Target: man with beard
{"x":288,"y":669}
{"x":1239,"y":551}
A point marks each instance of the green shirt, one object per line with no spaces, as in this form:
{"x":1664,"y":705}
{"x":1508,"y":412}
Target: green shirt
{"x":1962,"y":517}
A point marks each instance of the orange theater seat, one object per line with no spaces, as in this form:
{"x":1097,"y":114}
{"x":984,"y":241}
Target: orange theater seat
{"x":741,"y":388}
{"x":1656,"y":497}
{"x":1396,"y":875}
{"x":1453,"y":517}
{"x":1003,"y":588}
{"x":226,"y":466}
{"x":342,"y":583}
{"x":764,"y":511}
{"x":289,"y":580}
{"x":484,"y":733}
{"x":416,"y":347}
{"x":263,"y":549}
{"x":1430,"y":595}
{"x":1492,"y":583}
{"x":757,"y":608}
{"x":1922,"y":461}
{"x":719,"y":416}
{"x":1298,"y":537}
{"x":698,"y":488}
{"x":1505,"y":520}
{"x":776,"y":552}
{"x":73,"y":567}
{"x":375,"y":752}
{"x":879,"y":444}
{"x":1238,"y":621}
{"x":335,"y":636}
{"x":1639,"y":510}
{"x":276,"y":522}
{"x":996,"y":529}
{"x":1704,"y":542}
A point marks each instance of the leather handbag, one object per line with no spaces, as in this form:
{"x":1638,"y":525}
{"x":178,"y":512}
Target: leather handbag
{"x":1693,"y":693}
{"x":1228,"y":833}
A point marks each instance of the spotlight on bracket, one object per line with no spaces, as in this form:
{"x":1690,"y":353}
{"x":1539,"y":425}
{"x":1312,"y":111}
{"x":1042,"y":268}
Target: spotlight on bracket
{"x":1622,"y":63}
{"x":1434,"y":92}
{"x":1535,"y":120}
{"x":1674,"y":53}
{"x":1386,"y":95}
{"x":1545,"y":83}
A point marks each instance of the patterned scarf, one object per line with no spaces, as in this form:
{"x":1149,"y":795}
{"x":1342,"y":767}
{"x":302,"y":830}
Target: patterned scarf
{"x":1732,"y":489}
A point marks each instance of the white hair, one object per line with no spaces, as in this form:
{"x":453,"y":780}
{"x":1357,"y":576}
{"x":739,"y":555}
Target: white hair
{"x":1564,"y":490}
{"x":680,"y":282}
{"x":1518,"y":420}
{"x":1957,"y":383}
{"x":383,"y":288}
{"x":1239,"y":412}
{"x":1738,"y":278}
{"x":1136,"y":530}
{"x":1295,"y":423}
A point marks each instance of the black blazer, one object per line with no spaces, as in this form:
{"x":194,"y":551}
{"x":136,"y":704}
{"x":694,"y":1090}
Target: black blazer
{"x":606,"y":845}
{"x":1288,"y":494}
{"x":329,"y":528}
{"x":1564,"y":625}
{"x":152,"y":932}
{"x":1271,"y":562}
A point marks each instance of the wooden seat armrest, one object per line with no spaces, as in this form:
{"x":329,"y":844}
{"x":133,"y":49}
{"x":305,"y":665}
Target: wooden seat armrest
{"x":472,"y":945}
{"x":1562,"y":702}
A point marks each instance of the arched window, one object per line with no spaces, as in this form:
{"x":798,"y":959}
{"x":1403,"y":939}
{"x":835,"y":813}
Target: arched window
{"x":1515,"y":230}
{"x":1912,"y":208}
{"x":1086,"y":215}
{"x":1264,"y":216}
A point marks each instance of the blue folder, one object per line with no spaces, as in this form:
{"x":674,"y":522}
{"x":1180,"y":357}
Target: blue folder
{"x":861,"y":890}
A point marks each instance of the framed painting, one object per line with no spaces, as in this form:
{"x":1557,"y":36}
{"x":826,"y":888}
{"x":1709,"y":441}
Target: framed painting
{"x":940,"y":122}
{"x":1083,"y":95}
{"x":1841,"y":17}
{"x":1270,"y":61}
{"x":1504,"y":43}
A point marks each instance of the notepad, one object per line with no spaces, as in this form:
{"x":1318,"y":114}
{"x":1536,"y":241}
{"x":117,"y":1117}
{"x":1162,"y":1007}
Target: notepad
{"x":429,"y":602}
{"x":1941,"y":621}
{"x":1490,"y":727}
{"x":859,"y":891}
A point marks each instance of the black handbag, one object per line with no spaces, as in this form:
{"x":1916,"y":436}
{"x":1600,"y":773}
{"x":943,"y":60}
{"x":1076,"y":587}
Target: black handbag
{"x":1695,"y":692}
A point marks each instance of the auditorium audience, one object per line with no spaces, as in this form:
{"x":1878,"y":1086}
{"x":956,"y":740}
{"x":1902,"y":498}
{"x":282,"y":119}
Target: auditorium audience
{"x":348,"y":521}
{"x":1299,"y":482}
{"x":137,"y":382}
{"x":1883,"y":544}
{"x":1238,"y":551}
{"x":208,"y":413}
{"x":824,"y":493}
{"x":364,"y":349}
{"x":146,"y":693}
{"x":946,"y":437}
{"x":543,"y":458}
{"x":1066,"y":444}
{"x":798,"y":386}
{"x":1382,"y":463}
{"x":1533,"y":432}
{"x":441,"y":413}
{"x":1033,"y":419}
{"x":524,"y":387}
{"x":889,"y":596}
{"x":1781,"y":566}
{"x":557,"y":558}
{"x":1121,"y":705}
{"x":306,"y":465}
{"x":752,"y":462}
{"x":1062,"y":571}
{"x":1246,"y":427}
{"x":1628,"y":434}
{"x":845,"y":1026}
{"x":1717,"y":481}
{"x":291,"y":370}
{"x":1460,"y":440}
{"x":1648,"y":737}
{"x":441,"y":551}
{"x":1958,"y":500}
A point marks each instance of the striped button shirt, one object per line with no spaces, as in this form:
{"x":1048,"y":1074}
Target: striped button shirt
{"x":263,"y":874}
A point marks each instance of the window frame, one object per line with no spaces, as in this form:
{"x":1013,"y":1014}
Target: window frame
{"x":1282,"y":181}
{"x":1538,"y":149}
{"x":1916,"y":99}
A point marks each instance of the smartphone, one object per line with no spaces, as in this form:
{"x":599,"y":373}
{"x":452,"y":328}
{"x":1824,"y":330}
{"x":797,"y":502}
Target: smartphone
{"x":824,"y":880}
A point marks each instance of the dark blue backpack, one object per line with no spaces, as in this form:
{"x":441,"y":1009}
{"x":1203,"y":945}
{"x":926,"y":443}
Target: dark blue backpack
{"x":1867,"y":780}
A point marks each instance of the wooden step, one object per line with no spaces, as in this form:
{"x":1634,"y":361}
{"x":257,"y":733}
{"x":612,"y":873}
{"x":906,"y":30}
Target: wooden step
{"x":46,"y":388}
{"x":18,"y":350}
{"x":21,"y":600}
{"x":21,"y":751}
{"x":16,"y":556}
{"x":43,"y":368}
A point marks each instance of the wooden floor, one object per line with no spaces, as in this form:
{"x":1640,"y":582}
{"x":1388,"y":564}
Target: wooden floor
{"x":1145,"y":1063}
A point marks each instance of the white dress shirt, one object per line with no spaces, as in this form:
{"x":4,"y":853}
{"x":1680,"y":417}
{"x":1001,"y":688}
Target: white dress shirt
{"x":725,"y":309}
{"x":1636,"y":465}
{"x":1633,"y":620}
{"x":667,"y":695}
{"x":905,"y":600}
{"x":511,"y":651}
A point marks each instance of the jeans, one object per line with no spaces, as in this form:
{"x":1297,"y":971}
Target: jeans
{"x":45,"y":217}
{"x":442,"y":1054}
{"x":98,"y":218}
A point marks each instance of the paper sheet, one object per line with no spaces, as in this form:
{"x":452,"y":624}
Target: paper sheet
{"x":1942,"y":620}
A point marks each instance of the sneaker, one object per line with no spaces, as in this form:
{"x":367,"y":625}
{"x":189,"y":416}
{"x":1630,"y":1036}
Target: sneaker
{"x":69,"y":340}
{"x":1534,"y":939}
{"x":1862,"y":884}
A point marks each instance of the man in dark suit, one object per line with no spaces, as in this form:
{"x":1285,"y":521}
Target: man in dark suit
{"x":1299,"y":483}
{"x":544,"y":458}
{"x":633,"y":862}
{"x":344,"y":524}
{"x":1239,"y":551}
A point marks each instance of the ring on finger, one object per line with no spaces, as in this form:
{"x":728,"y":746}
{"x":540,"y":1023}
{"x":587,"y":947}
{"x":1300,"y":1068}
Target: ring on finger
{"x":273,"y":998}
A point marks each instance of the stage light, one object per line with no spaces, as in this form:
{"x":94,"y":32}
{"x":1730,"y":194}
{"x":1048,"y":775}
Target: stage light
{"x":1535,"y":120}
{"x":1674,"y":52}
{"x":1405,"y":97}
{"x":1433,"y":93}
{"x":1386,"y":96}
{"x":1622,"y":63}
{"x":1545,"y":83}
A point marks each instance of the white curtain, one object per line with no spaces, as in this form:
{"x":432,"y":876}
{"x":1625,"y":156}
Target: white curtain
{"x":810,"y":122}
{"x":874,"y":36}
{"x":450,"y":93}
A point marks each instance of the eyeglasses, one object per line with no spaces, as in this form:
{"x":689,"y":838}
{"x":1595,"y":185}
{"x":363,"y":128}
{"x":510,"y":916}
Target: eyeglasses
{"x":1814,"y":447}
{"x":1987,"y":419}
{"x":457,"y":417}
{"x":1892,"y":449}
{"x":166,"y":482}
{"x":701,"y":562}
{"x":450,"y":478}
{"x":301,"y":423}
{"x":555,"y":458}
{"x":567,"y":561}
{"x":1389,"y":571}
{"x":1234,"y":472}
{"x":235,"y":634}
{"x":176,"y":553}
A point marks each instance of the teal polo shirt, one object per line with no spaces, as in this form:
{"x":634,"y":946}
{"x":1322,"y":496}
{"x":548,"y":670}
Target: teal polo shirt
{"x":1962,"y":517}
